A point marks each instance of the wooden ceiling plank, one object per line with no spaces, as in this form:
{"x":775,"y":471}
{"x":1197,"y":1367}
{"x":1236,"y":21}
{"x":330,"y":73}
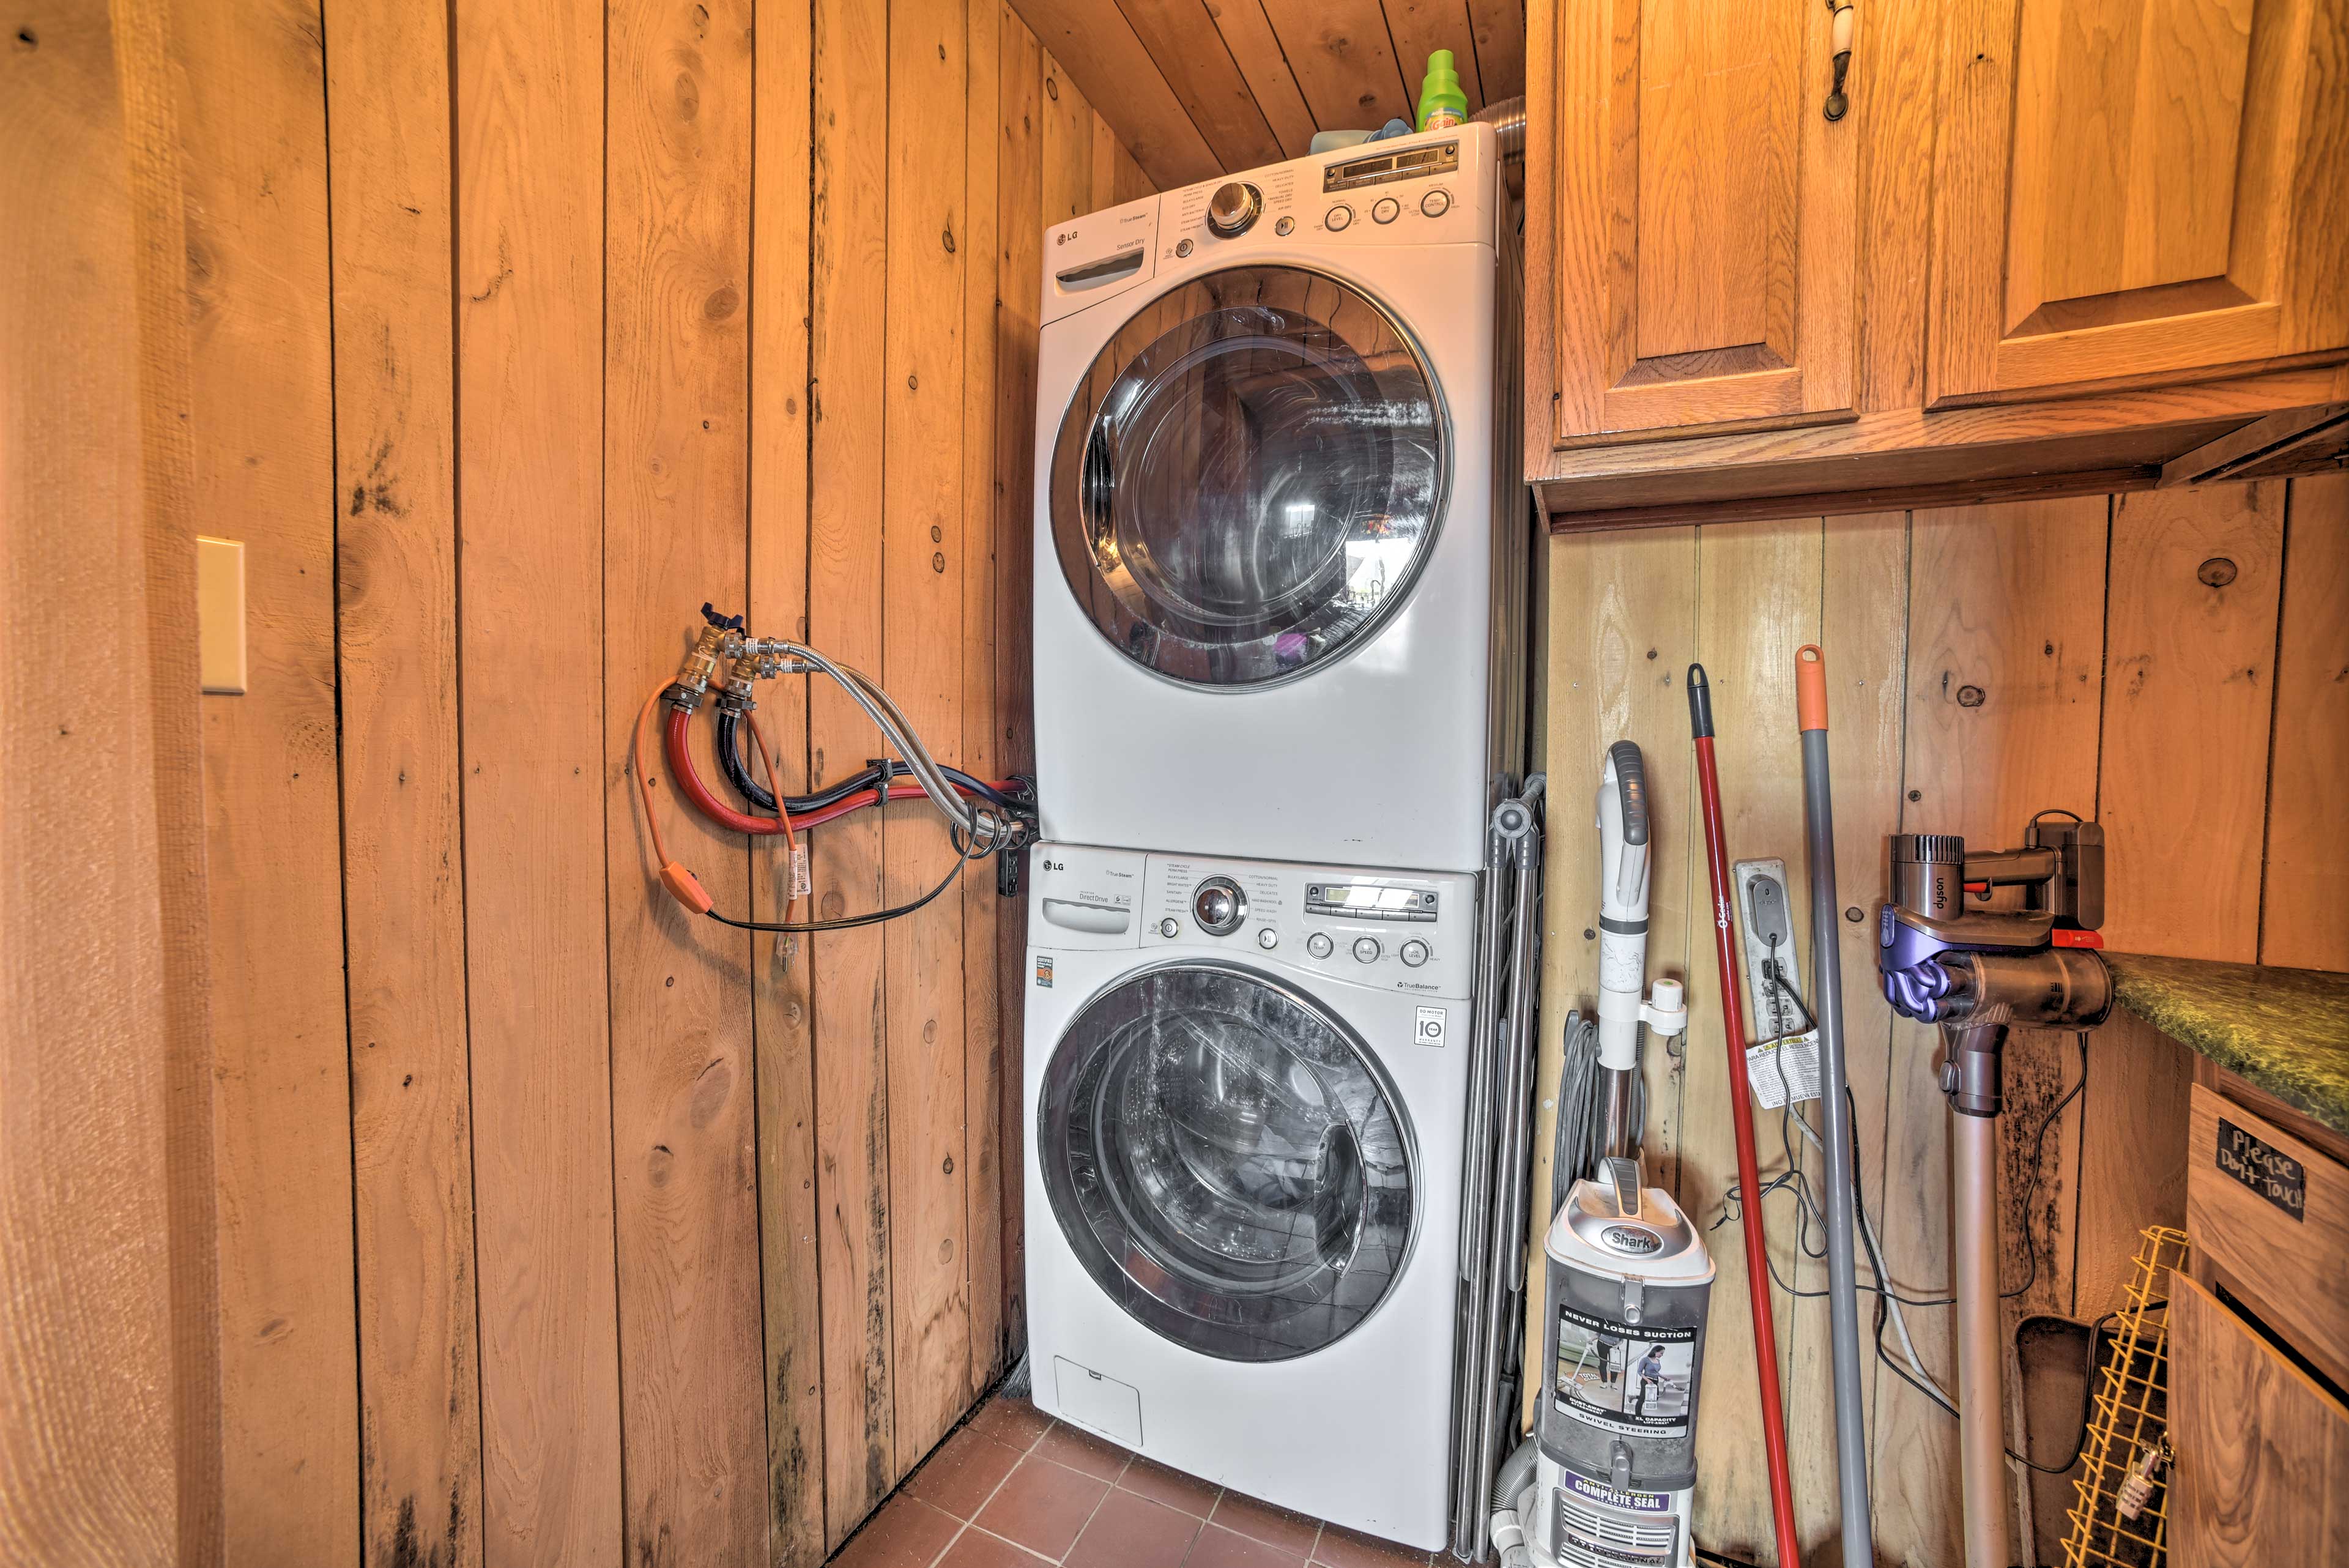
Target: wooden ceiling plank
{"x":1193,"y":58}
{"x":1419,"y":28}
{"x":1097,"y":47}
{"x":1343,"y":60}
{"x":1498,"y":27}
{"x":1247,"y":33}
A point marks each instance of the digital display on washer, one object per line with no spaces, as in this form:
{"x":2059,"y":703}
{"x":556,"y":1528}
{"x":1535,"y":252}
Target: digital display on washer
{"x":1370,"y":901}
{"x":1411,"y":164}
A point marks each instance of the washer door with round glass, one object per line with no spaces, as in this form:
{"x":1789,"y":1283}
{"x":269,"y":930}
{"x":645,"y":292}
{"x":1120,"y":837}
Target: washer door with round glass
{"x":1250,"y":478}
{"x":1226,"y":1160}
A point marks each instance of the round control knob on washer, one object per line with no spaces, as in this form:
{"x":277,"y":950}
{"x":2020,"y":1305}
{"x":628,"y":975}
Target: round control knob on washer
{"x":1318,"y":944}
{"x":1266,"y":938}
{"x":1219,"y":906}
{"x":1414,"y":953}
{"x":1366,"y":949}
{"x":1435,"y":203}
{"x":1232,"y":208}
{"x":1169,"y":926}
{"x":1338,"y":217}
{"x":1387,"y":211}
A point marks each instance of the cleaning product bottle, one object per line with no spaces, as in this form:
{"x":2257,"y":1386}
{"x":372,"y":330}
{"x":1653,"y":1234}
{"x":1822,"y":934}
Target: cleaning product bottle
{"x":1441,"y":101}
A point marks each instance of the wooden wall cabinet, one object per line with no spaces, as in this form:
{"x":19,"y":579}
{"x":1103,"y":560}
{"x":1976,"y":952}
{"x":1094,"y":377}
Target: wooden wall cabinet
{"x":1707,"y":219}
{"x":2135,"y":191}
{"x":2054,"y":246}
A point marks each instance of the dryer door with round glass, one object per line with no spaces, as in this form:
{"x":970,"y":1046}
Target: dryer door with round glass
{"x":1249,"y":480}
{"x":1226,"y":1160}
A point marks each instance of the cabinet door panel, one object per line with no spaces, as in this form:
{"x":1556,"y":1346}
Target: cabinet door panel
{"x":2263,"y":1473}
{"x":2135,"y":191}
{"x":1705,"y":212}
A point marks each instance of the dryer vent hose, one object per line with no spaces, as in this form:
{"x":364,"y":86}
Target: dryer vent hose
{"x":1508,"y":119}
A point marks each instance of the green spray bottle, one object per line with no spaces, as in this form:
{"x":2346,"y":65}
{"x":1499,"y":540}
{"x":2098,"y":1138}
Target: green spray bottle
{"x":1441,"y":101}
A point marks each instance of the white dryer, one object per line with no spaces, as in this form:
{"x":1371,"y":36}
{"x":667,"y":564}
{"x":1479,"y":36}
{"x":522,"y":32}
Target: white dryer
{"x":1246,"y":1083}
{"x":1280,"y":527}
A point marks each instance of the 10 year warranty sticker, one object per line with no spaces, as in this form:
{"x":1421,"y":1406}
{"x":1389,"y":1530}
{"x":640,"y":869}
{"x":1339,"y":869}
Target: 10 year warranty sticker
{"x":1431,"y":1027}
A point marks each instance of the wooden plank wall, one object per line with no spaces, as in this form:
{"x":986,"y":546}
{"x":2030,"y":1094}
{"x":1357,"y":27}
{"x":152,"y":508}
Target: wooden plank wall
{"x":555,"y":1227}
{"x":2167,"y":663}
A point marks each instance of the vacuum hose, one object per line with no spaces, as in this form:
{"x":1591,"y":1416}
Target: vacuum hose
{"x":1513,"y":1484}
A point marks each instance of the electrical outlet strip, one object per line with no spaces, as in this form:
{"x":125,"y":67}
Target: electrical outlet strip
{"x":1789,"y":1069}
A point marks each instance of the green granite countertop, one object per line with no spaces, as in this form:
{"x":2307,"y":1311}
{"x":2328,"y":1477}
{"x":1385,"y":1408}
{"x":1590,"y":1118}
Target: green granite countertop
{"x":2285,"y":1030}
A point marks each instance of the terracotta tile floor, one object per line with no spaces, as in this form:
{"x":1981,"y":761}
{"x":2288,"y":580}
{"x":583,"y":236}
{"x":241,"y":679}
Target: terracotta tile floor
{"x":1014,"y":1489}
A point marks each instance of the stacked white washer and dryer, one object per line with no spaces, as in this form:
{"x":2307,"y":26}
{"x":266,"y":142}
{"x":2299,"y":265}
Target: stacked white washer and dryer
{"x":1280,"y":562}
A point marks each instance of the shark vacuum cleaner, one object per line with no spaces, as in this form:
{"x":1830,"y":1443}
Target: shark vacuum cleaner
{"x":1607,"y":1480}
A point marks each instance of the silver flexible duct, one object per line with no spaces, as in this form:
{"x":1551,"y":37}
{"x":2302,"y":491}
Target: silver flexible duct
{"x":1508,"y":119}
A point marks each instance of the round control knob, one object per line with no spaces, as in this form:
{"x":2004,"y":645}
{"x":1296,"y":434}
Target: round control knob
{"x":1387,"y":211}
{"x":1414,"y":953}
{"x":1366,"y":949}
{"x":1219,"y":906}
{"x":1435,"y":203}
{"x":1318,"y":944}
{"x":1232,"y":208}
{"x":1338,"y":217}
{"x":1266,"y":938}
{"x":1169,"y":926}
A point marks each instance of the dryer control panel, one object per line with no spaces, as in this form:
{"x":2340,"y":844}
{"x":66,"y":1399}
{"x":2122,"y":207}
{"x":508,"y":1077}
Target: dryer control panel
{"x":1413,"y":934}
{"x":1439,"y":187}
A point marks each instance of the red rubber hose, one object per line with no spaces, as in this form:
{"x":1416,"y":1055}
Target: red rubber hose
{"x":1741,"y":1116}
{"x":699,"y":795}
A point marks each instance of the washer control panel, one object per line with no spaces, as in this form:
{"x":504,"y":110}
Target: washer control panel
{"x":1435,"y":188}
{"x":1397,"y":931}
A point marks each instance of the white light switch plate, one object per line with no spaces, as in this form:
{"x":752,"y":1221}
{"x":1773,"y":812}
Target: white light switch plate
{"x":219,"y":614}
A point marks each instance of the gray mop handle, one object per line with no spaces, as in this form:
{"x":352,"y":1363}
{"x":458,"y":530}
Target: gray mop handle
{"x":1826,"y":1002}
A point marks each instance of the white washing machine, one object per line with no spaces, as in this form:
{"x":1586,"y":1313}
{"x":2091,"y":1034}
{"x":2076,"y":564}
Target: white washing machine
{"x":1280,"y":527}
{"x":1246,"y":1082}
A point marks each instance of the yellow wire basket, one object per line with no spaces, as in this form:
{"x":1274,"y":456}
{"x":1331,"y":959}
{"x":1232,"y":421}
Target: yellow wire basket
{"x":2121,"y":1516}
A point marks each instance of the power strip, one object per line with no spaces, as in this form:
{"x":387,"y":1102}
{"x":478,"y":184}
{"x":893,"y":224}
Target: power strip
{"x":1765,"y":923}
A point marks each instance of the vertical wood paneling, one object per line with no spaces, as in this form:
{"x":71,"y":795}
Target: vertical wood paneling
{"x":677,"y":382}
{"x":144,"y":69}
{"x":848,"y":286}
{"x":254,"y":139}
{"x":923,"y":564}
{"x":2190,"y":672}
{"x":1181,"y":39}
{"x":529,"y":180}
{"x":87,"y":1446}
{"x":2307,"y":855}
{"x":979,"y":719}
{"x":1020,"y":217}
{"x":1068,"y":148}
{"x":780,"y":976}
{"x":389,"y":155}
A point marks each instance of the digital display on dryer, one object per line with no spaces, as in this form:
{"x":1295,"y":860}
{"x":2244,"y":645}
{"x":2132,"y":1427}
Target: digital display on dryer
{"x":1370,"y":901}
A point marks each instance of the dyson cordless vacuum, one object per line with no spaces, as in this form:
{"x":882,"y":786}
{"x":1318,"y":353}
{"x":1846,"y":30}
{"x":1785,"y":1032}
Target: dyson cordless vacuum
{"x":1977,"y":974}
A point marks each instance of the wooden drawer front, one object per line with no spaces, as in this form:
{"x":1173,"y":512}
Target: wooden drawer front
{"x":2137,"y":191}
{"x":2263,"y":1475}
{"x":2291,"y":1271}
{"x":1703,"y":215}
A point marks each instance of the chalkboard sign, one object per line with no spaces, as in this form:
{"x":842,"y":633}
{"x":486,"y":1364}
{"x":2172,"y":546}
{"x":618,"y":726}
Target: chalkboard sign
{"x":2264,"y":1168}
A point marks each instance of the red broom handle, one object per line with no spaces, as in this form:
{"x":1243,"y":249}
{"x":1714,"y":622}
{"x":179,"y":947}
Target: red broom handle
{"x":1741,"y":1116}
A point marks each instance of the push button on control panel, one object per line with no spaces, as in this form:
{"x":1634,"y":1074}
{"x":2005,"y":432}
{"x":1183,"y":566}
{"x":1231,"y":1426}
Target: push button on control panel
{"x":1337,"y":218}
{"x":1266,"y":938}
{"x":1319,"y":944}
{"x":1366,"y":949}
{"x":1169,"y":926}
{"x":1387,"y":210}
{"x":1413,"y":953}
{"x":1435,"y":203}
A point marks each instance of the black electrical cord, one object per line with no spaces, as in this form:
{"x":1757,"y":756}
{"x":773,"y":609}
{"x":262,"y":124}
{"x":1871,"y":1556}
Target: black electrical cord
{"x":963,"y":856}
{"x":732,"y":760}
